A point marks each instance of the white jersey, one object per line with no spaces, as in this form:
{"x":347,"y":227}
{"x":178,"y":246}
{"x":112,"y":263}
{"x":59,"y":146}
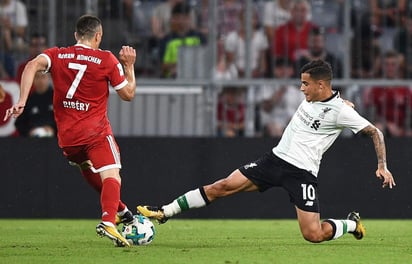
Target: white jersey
{"x":312,"y":130}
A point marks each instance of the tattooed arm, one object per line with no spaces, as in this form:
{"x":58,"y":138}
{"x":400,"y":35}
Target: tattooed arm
{"x":378,"y":140}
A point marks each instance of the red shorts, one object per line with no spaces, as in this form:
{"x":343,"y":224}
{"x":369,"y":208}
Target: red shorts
{"x":102,"y":152}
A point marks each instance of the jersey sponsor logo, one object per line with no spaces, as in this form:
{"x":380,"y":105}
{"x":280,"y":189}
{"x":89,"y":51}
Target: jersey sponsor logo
{"x":307,"y":119}
{"x":316,"y":124}
{"x":77,"y":105}
{"x":251,"y":165}
{"x":304,"y":116}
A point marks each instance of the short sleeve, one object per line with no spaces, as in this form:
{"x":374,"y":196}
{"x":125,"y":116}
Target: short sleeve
{"x":117,"y":77}
{"x":351,"y":119}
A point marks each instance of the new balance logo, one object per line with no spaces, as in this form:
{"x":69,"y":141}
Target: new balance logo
{"x":309,"y":203}
{"x":251,"y":165}
{"x":315,"y":125}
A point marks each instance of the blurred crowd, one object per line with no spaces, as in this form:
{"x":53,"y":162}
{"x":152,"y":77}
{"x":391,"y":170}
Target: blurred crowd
{"x":173,"y":37}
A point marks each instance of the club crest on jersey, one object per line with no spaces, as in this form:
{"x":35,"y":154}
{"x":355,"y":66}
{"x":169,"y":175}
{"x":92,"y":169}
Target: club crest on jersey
{"x":250,"y":165}
{"x":324,"y":112}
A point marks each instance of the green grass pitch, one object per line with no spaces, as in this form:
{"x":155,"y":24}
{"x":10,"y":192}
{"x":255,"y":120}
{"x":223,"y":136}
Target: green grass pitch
{"x":202,"y":241}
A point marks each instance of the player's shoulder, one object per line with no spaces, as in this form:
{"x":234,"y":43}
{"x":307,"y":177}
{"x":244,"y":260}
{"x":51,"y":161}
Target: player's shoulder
{"x":52,"y":49}
{"x":60,"y":50}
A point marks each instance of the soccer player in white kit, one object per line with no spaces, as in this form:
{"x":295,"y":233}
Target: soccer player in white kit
{"x":294,"y":163}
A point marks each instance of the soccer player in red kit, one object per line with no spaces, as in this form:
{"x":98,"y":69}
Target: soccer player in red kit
{"x":81,"y":75}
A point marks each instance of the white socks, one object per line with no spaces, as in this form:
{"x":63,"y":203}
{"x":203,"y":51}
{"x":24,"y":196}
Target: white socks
{"x":191,"y":199}
{"x":341,"y":227}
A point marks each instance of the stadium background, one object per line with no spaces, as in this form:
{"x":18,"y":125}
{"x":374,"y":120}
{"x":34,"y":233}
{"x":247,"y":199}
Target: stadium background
{"x":167,"y":134}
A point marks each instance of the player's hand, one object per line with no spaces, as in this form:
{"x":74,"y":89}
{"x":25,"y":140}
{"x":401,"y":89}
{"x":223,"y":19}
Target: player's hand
{"x":127,"y":56}
{"x":14,"y":111}
{"x":384,"y":174}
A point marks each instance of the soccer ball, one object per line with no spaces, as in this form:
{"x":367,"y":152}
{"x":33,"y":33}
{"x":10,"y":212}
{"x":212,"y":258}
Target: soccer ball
{"x":140,"y":232}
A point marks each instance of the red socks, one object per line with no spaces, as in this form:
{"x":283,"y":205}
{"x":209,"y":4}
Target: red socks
{"x":93,"y":179}
{"x":109,"y":199}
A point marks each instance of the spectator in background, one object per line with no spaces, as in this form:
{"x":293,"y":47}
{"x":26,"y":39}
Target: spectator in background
{"x":275,"y":13}
{"x":235,"y":48}
{"x":13,"y":24}
{"x":228,"y":12}
{"x":403,"y":42}
{"x":317,"y":50}
{"x":13,"y":21}
{"x":278,"y":104}
{"x":227,"y":16}
{"x":181,"y":35}
{"x":161,"y":16}
{"x":202,"y":16}
{"x":291,"y":39}
{"x":37,"y":120}
{"x":387,"y":13}
{"x":37,"y":44}
{"x":390,"y":106}
{"x":231,"y":112}
{"x":365,"y":48}
{"x":6,"y":67}
{"x":386,"y":16}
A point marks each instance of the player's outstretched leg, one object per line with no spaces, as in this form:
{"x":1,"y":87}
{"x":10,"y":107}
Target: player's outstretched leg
{"x":153,"y":212}
{"x":360,"y":230}
{"x":192,"y":199}
{"x":109,"y":231}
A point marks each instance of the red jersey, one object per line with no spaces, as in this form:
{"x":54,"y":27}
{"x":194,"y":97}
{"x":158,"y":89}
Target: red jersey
{"x":288,"y":40}
{"x":81,"y":77}
{"x":392,"y":103}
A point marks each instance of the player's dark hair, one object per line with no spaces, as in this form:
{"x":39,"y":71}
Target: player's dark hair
{"x":318,"y":70}
{"x":87,"y":26}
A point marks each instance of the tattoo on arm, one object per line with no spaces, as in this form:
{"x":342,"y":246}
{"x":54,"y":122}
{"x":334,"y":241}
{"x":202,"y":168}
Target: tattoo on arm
{"x":378,"y":141}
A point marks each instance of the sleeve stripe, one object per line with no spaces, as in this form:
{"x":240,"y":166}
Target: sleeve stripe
{"x":121,"y":85}
{"x":48,"y":61}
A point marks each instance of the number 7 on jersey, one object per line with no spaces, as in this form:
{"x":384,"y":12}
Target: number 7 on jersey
{"x":81,"y":69}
